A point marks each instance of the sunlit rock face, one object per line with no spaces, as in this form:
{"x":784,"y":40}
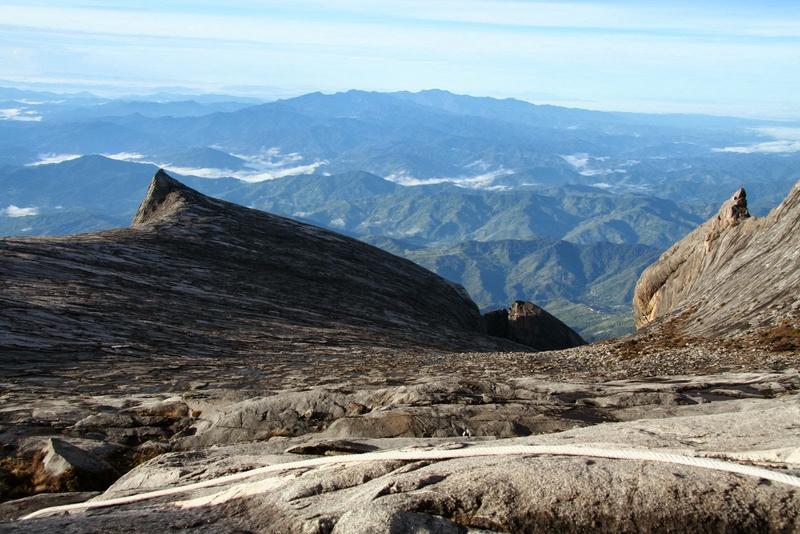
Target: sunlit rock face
{"x":732,"y":274}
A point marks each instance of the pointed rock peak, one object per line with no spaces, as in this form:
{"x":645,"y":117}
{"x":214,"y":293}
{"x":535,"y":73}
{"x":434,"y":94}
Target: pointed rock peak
{"x":163,"y":198}
{"x":734,"y":209}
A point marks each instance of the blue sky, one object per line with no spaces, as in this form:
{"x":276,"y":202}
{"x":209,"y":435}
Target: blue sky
{"x":733,"y":57}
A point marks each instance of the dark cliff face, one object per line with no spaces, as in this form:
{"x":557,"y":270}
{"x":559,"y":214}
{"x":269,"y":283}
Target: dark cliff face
{"x":196,"y":275}
{"x":732,"y":274}
{"x":528,"y":324}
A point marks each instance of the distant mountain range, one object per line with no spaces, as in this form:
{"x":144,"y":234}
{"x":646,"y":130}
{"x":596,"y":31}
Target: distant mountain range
{"x":362,"y":204}
{"x":421,"y":137}
{"x":509,"y":198}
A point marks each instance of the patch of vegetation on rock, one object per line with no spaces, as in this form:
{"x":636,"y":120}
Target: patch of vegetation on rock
{"x":781,"y":338}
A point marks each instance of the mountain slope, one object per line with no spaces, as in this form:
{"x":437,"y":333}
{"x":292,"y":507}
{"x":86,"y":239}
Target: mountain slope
{"x":590,"y":284}
{"x":732,"y":274}
{"x":204,"y":277}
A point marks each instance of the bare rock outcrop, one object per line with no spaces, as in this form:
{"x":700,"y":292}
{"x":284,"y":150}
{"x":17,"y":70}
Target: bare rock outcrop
{"x":513,"y":493}
{"x":732,"y":274}
{"x":20,"y":507}
{"x":194,"y":279}
{"x":528,"y":324}
{"x":197,"y":275}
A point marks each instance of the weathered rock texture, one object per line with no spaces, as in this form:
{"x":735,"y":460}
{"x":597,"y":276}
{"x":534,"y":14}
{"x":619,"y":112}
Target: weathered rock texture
{"x":528,"y":324}
{"x":494,"y":494}
{"x":734,"y":273}
{"x":20,"y":507}
{"x":200,"y":276}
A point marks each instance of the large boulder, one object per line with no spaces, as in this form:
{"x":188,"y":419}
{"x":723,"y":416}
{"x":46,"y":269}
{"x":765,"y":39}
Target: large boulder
{"x":528,"y":324}
{"x":66,"y":467}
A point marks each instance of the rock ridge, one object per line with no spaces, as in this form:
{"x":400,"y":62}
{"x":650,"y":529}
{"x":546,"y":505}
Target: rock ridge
{"x":197,"y":275}
{"x":732,"y":274}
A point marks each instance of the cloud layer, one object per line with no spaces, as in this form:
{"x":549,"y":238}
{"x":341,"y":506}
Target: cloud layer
{"x":268,"y":164}
{"x":19,"y":114}
{"x":15,"y":211}
{"x":49,"y":159}
{"x":785,"y":140}
{"x":480,"y":181}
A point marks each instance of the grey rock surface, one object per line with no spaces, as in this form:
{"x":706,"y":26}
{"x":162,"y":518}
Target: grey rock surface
{"x":451,"y":408}
{"x":19,"y":507}
{"x":496,"y":494}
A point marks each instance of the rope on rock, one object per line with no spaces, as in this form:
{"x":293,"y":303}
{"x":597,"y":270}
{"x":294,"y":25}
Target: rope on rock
{"x":468,"y":452}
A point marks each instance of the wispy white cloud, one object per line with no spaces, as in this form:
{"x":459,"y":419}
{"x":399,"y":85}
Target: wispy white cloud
{"x":785,"y":140}
{"x":201,"y":172}
{"x":779,"y":132}
{"x":769,"y":147}
{"x":49,"y":159}
{"x":405,"y":178}
{"x":19,"y":114}
{"x":586,"y":165}
{"x":580,"y":161}
{"x":480,"y":181}
{"x":268,"y":164}
{"x":125,"y":156}
{"x":615,"y":16}
{"x":269,"y":158}
{"x":279,"y":173}
{"x":15,"y":211}
{"x":594,"y":15}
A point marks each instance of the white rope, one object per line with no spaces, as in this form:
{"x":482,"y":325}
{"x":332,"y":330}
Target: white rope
{"x":563,"y":450}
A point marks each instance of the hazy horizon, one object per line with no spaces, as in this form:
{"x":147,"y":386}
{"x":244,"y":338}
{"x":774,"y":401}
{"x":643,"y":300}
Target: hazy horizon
{"x":272,"y":94}
{"x":719,"y":58}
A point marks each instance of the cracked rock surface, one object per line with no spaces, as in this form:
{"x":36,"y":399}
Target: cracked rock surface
{"x":750,"y":417}
{"x":515,"y":493}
